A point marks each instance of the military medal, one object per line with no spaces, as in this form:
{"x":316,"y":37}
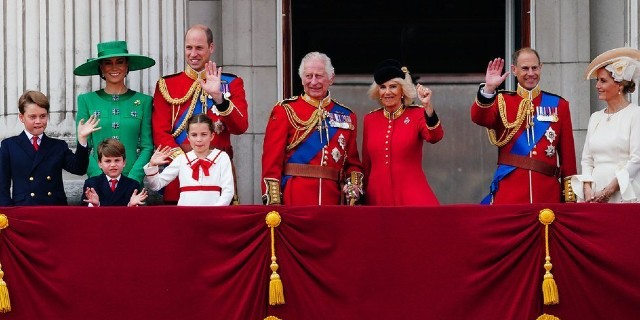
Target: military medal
{"x":550,"y":134}
{"x":218,"y":126}
{"x":547,"y":114}
{"x":550,"y":151}
{"x":341,"y":121}
{"x":134,"y":114}
{"x":342,"y":141}
{"x":335,"y":153}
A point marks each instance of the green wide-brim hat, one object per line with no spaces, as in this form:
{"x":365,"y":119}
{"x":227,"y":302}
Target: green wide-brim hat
{"x":113,"y":49}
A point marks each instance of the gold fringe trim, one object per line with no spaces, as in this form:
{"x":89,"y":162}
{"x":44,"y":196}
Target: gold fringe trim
{"x":276,"y":291}
{"x":549,"y":287}
{"x":272,"y":318}
{"x":545,"y":316}
{"x":5,"y":302}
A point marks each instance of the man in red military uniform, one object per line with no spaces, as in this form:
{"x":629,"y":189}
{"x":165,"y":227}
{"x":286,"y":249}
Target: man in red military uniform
{"x":200,"y":88}
{"x":310,"y":149}
{"x":532,"y":130}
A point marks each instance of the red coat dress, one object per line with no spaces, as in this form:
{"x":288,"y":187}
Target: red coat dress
{"x":339,"y":151}
{"x":168,"y":117}
{"x":392,"y":157}
{"x":555,"y":146}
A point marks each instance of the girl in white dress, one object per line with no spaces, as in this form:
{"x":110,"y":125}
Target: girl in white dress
{"x":611,"y":154}
{"x":205,"y":174}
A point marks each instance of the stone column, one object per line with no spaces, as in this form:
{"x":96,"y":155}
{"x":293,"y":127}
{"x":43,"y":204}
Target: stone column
{"x":45,"y":40}
{"x":562,"y":38}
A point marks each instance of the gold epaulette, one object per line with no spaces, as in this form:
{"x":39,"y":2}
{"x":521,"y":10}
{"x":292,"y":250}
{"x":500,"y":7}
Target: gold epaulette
{"x":171,"y":75}
{"x":375,"y":110}
{"x":341,"y":104}
{"x":287,"y":100}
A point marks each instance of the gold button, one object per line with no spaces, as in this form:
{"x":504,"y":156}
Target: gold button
{"x":30,"y":178}
{"x":534,"y":152}
{"x":49,"y":193}
{"x":49,"y":178}
{"x":33,"y":194}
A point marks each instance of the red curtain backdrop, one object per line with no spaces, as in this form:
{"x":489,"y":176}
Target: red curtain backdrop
{"x":448,"y":262}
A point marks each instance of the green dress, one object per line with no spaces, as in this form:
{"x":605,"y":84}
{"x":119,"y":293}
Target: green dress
{"x":125,"y":117}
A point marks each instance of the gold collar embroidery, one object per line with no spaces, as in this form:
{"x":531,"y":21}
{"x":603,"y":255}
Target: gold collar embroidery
{"x":195,"y":74}
{"x":317,"y":103}
{"x":526,"y":94}
{"x":393,"y":115}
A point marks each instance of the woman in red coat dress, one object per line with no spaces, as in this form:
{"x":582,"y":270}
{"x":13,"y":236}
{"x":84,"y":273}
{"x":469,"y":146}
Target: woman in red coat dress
{"x":393,"y":138}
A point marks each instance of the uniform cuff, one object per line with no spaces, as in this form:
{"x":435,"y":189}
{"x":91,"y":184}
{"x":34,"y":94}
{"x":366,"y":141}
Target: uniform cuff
{"x":483,"y":98}
{"x":433,"y":120}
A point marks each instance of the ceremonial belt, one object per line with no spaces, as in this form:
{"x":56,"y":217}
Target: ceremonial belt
{"x":201,"y":188}
{"x":524,"y":162}
{"x":311,"y":171}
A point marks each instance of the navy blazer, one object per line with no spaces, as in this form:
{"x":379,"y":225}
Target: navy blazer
{"x":118,"y":197}
{"x":37,"y":175}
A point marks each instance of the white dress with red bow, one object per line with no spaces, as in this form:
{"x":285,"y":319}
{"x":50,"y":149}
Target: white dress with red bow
{"x":203,"y":182}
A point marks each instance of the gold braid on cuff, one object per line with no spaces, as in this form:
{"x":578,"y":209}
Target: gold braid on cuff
{"x":437,"y":124}
{"x":272,"y":195}
{"x":230,"y":109}
{"x":483,"y":105}
{"x":175,"y":152}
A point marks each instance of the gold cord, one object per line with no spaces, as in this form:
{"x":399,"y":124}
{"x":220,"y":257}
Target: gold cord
{"x":303,"y":127}
{"x":511,"y":128}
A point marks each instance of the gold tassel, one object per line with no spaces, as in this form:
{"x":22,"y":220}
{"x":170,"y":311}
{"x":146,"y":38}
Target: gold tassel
{"x":549,"y":287}
{"x":276,"y":291}
{"x":5,"y":302}
{"x":545,"y":316}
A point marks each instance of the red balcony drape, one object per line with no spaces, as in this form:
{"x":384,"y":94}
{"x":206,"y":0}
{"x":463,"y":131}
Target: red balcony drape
{"x":448,"y":262}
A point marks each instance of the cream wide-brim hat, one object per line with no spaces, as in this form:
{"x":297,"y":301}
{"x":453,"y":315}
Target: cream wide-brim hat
{"x":609,"y":57}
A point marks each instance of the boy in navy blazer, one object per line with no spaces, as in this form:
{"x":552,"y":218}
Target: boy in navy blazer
{"x":33,"y":162}
{"x":112,"y":188}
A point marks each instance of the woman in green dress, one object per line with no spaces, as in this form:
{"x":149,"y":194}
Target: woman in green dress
{"x":124,"y":114}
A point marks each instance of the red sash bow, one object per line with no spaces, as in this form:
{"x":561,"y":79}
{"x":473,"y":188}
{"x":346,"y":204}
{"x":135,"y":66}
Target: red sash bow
{"x":200,"y":163}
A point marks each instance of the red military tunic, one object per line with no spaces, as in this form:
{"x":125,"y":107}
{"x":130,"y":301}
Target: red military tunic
{"x":340,"y":152}
{"x":166,"y":115}
{"x":392,"y":157}
{"x":555,"y":147}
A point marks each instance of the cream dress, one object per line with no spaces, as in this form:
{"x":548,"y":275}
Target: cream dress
{"x":612,"y":150}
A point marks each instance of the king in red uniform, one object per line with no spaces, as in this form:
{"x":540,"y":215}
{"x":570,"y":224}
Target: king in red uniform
{"x":532,"y":130}
{"x":310,"y":147}
{"x":201,"y":88}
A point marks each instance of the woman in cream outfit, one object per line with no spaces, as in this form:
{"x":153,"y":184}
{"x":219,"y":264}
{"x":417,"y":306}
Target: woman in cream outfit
{"x":611,"y":154}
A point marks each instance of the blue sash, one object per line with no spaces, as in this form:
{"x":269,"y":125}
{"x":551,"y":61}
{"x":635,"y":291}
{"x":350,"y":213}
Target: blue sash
{"x":310,"y":147}
{"x":225,"y":80}
{"x":521,"y":147}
